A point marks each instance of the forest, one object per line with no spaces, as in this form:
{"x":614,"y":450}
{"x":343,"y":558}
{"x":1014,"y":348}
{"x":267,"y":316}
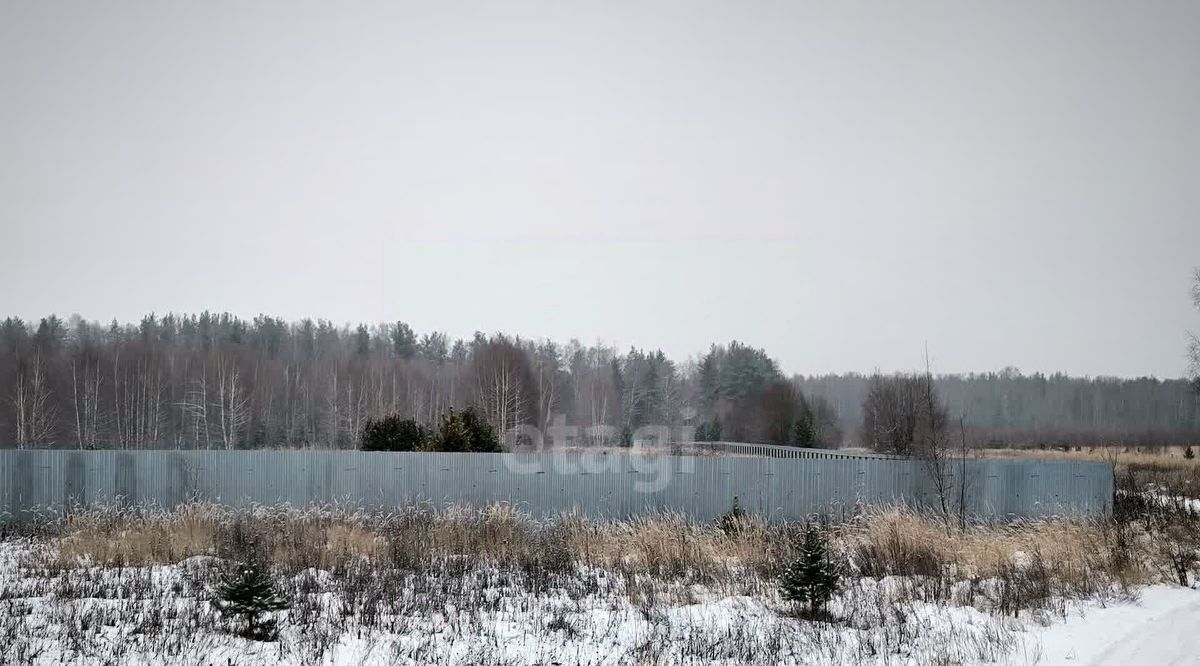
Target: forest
{"x":217,"y":381}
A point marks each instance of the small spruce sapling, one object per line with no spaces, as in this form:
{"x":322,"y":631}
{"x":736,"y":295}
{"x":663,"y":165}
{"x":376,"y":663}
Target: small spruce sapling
{"x":1188,"y":453}
{"x":814,"y":577}
{"x":248,"y":595}
{"x":733,"y":520}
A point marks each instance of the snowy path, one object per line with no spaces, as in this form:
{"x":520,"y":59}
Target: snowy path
{"x":1162,"y":628}
{"x":1170,"y":639}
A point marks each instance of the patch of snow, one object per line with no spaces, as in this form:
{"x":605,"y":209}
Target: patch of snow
{"x":1162,"y":627}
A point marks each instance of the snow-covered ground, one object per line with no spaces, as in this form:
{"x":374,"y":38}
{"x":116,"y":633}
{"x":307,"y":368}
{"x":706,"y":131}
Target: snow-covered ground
{"x":161,"y":616}
{"x":1161,"y":628}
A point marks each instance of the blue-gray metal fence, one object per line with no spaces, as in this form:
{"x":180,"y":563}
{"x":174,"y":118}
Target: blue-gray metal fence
{"x":777,"y":451}
{"x":596,"y":484}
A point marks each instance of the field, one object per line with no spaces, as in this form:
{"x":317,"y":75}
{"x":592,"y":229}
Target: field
{"x":454,"y":585}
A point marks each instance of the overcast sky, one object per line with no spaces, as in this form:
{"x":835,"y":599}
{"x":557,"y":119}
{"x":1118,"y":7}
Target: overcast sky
{"x":1016,"y":183}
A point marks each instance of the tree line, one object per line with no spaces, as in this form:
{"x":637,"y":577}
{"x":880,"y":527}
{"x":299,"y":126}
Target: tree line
{"x":908,"y":413}
{"x":217,"y":381}
{"x":1008,"y":408}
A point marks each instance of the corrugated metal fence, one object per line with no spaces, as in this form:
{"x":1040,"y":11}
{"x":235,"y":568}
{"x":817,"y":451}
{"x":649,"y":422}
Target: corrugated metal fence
{"x":597,"y":484}
{"x":777,"y":451}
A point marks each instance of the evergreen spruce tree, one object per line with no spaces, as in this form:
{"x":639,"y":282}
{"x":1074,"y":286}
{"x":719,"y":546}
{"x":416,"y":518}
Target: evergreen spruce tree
{"x":814,"y":577}
{"x":393,"y":433}
{"x":1188,"y":453}
{"x":803,"y":433}
{"x":708,"y":431}
{"x":247,"y":594}
{"x":481,"y":436}
{"x":452,"y":435}
{"x":467,"y":430}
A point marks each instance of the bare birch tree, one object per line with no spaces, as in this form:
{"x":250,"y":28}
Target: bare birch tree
{"x":31,"y":399}
{"x":504,"y":384}
{"x":195,"y":408}
{"x":85,"y":397}
{"x":233,"y":405}
{"x":547,"y":365}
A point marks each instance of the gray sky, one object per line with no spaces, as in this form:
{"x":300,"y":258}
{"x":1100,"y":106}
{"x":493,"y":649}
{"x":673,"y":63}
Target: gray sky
{"x":838,"y":182}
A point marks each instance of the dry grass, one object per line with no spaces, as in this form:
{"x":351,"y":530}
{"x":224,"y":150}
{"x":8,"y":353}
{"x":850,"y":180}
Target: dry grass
{"x":1164,"y":457}
{"x":129,"y":539}
{"x":899,"y":542}
{"x":665,"y":545}
{"x":877,"y":543}
{"x":456,"y":555}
